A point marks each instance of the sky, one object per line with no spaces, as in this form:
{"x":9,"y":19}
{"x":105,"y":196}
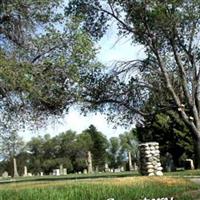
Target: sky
{"x":112,"y":49}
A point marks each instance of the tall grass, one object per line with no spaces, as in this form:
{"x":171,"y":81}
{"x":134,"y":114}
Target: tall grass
{"x":135,"y":188}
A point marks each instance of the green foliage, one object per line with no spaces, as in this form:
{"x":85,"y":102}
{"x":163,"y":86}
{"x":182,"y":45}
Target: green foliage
{"x":172,"y":134}
{"x":98,"y":147}
{"x":114,"y":153}
{"x":42,"y":57}
{"x":129,"y":143}
{"x":45,"y":153}
{"x":20,"y":19}
{"x":169,"y":34}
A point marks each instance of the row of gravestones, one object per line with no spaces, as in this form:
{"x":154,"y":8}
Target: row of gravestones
{"x":149,"y":163}
{"x":63,"y":171}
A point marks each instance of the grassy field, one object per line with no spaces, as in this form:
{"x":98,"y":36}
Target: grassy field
{"x":184,"y":173}
{"x":94,"y":176}
{"x":129,"y":188}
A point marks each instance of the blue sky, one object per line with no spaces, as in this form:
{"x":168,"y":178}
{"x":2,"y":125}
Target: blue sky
{"x":111,"y":49}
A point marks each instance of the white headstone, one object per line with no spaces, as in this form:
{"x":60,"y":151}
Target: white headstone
{"x":61,"y":169}
{"x":130,"y":161}
{"x":122,"y":169}
{"x":5,"y":174}
{"x":191,"y":163}
{"x":25,"y":171}
{"x":56,"y":172}
{"x":64,"y":171}
{"x":117,"y":170}
{"x":89,"y":162}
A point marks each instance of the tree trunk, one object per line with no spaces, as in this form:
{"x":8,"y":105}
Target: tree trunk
{"x":197,"y":147}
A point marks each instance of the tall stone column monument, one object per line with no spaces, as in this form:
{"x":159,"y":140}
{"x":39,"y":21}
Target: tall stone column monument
{"x":25,"y":171}
{"x":15,"y":168}
{"x":89,"y":162}
{"x":130,"y":161}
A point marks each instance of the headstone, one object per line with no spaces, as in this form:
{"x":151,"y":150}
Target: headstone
{"x":15,"y":168}
{"x":96,"y":169}
{"x":130,"y":161}
{"x":150,"y":159}
{"x":64,"y":171}
{"x":85,"y":171}
{"x":56,"y":172}
{"x":25,"y":171}
{"x":5,"y":174}
{"x":117,"y":170}
{"x":169,"y":162}
{"x":89,"y":162}
{"x":107,"y":168}
{"x":122,"y":169}
{"x":189,"y":164}
{"x":29,"y":174}
{"x":61,"y":169}
{"x":79,"y":173}
{"x":41,"y":173}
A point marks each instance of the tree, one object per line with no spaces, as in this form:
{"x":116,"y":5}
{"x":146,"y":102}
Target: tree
{"x":171,"y":133}
{"x":20,"y":19}
{"x":115,"y":155}
{"x":35,"y":147}
{"x":11,"y":144}
{"x":83,"y":145}
{"x":169,"y":32}
{"x":129,"y":144}
{"x":98,"y":148}
{"x":42,"y":57}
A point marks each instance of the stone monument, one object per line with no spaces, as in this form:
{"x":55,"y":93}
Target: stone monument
{"x":85,"y":171}
{"x":89,"y":162}
{"x":56,"y":172}
{"x":189,"y":164}
{"x":107,"y":168}
{"x":64,"y":171}
{"x":25,"y":171}
{"x":150,"y":159}
{"x":130,"y":161}
{"x":15,"y":168}
{"x":5,"y":174}
{"x":61,"y":169}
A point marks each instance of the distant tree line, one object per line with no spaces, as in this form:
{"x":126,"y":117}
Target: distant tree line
{"x":45,"y":153}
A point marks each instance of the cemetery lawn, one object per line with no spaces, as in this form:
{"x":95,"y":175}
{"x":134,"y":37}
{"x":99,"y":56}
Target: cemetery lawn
{"x":129,"y":188}
{"x":195,"y":172}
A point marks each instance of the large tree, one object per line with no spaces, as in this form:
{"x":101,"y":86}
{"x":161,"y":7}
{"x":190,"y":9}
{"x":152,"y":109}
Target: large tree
{"x":98,"y":147}
{"x":129,"y":145}
{"x":42,"y":56}
{"x":11,"y":145}
{"x":169,"y":32}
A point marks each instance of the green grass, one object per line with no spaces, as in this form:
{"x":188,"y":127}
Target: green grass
{"x":132,"y":188}
{"x":184,"y":173}
{"x":70,"y":177}
{"x":95,"y":175}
